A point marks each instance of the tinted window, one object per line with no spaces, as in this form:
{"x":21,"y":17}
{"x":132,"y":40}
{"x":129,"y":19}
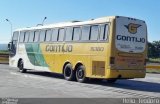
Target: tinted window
{"x":26,"y":36}
{"x":36,"y":37}
{"x":104,"y":32}
{"x":54,"y":34}
{"x":48,"y":35}
{"x":76,"y":33}
{"x":42,"y":35}
{"x":61,"y":35}
{"x":85,"y":32}
{"x":15,"y":36}
{"x":21,"y":39}
{"x":69,"y":32}
{"x":31,"y":36}
{"x":94,"y":33}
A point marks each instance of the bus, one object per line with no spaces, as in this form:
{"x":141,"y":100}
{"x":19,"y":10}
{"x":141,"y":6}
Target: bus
{"x":110,"y":48}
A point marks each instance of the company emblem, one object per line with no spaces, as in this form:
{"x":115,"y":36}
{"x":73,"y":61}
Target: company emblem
{"x":132,"y":28}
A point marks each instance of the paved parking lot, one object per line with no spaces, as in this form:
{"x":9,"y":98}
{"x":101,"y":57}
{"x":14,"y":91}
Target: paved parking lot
{"x":48,"y":85}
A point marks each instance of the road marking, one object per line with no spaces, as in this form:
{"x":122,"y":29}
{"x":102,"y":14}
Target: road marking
{"x":28,"y":76}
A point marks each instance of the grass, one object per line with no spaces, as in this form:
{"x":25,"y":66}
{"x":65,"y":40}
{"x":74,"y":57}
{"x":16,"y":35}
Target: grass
{"x":4,"y":52}
{"x":4,"y":57}
{"x":154,"y":60}
{"x":153,"y":71}
{"x":4,"y":60}
{"x":153,"y":65}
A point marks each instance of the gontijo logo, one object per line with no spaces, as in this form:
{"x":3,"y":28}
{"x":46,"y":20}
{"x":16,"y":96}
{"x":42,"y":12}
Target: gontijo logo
{"x":132,"y":28}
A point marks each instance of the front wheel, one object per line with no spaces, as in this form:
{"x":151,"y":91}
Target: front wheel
{"x":80,"y":74}
{"x":21,"y":67}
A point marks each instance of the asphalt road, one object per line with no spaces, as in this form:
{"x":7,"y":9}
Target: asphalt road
{"x":48,"y":85}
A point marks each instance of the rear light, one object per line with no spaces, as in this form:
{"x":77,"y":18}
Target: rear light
{"x":112,"y":60}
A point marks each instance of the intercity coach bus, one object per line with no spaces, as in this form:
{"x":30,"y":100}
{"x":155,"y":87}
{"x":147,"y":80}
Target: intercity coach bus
{"x":110,"y":48}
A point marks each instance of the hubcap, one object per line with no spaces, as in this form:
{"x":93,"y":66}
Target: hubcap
{"x":80,"y":74}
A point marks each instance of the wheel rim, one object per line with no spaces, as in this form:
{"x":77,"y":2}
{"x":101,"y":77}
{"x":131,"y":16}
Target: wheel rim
{"x":80,"y":74}
{"x":68,"y":72}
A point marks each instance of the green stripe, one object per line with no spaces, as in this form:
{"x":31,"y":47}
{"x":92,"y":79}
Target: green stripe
{"x":35,"y":55}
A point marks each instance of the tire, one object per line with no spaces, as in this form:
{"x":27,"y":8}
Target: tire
{"x":21,"y":67}
{"x":81,"y":74}
{"x":111,"y":80}
{"x":69,"y":73}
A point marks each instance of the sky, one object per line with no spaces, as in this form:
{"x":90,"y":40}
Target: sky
{"x":28,"y":13}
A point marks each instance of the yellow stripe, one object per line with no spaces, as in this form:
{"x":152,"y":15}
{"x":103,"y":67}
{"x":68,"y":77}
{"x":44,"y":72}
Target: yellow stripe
{"x":152,"y":67}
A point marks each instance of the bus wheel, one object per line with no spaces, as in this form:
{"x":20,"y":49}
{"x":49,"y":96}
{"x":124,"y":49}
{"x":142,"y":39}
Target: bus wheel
{"x":80,"y":74}
{"x":111,"y":80}
{"x":69,"y":74}
{"x":21,"y":67}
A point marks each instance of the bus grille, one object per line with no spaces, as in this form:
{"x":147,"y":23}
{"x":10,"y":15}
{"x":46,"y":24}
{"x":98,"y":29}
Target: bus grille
{"x":98,"y":68}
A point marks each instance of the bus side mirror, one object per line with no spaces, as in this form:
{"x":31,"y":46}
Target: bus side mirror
{"x":9,"y":46}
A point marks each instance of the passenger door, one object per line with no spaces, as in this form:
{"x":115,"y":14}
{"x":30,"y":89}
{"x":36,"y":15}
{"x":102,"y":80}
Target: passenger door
{"x":13,"y":45}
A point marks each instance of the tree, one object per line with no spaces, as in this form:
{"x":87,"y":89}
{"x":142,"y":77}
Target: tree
{"x":154,"y":49}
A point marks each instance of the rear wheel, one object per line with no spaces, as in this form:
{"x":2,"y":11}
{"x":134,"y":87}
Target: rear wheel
{"x":21,"y":67}
{"x":80,"y":74}
{"x":68,"y":73}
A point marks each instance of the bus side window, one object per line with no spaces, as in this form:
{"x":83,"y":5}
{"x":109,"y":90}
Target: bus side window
{"x":15,"y":36}
{"x":36,"y":36}
{"x":26,"y":36}
{"x":31,"y":36}
{"x":85,"y":33}
{"x":94,"y":32}
{"x":48,"y":35}
{"x":104,"y":32}
{"x":61,"y":35}
{"x":76,"y":33}
{"x":55,"y":35}
{"x":21,"y":39}
{"x":69,"y":32}
{"x":42,"y":35}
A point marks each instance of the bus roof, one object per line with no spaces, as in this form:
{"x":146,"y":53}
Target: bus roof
{"x":72,"y":23}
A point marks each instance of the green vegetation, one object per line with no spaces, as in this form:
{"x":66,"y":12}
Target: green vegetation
{"x":4,"y":58}
{"x":4,"y":52}
{"x":154,"y":49}
{"x":154,"y":52}
{"x":154,"y":60}
{"x":153,"y":71}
